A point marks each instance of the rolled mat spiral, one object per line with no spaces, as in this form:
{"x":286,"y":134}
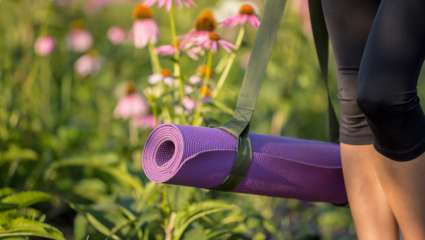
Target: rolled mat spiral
{"x":287,"y":167}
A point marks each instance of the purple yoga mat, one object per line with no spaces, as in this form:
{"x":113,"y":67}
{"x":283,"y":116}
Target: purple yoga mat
{"x":282,"y":166}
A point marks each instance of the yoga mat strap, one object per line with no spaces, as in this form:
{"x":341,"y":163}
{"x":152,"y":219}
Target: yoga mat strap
{"x":235,"y":126}
{"x":321,"y":41}
{"x":238,"y":126}
{"x":241,"y":165}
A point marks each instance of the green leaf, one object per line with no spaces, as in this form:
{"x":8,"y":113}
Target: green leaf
{"x":80,"y":227}
{"x":149,"y":216}
{"x":5,"y":191}
{"x":124,"y":178}
{"x":100,"y":227}
{"x":28,"y":213}
{"x":100,"y":162}
{"x":198,"y":233}
{"x":91,"y":188}
{"x":23,"y":199}
{"x":16,"y":153}
{"x":217,"y":233}
{"x":21,"y":227}
{"x":197,"y":211}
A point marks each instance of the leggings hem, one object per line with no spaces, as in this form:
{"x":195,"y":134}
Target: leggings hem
{"x":402,"y":156}
{"x":356,"y":140}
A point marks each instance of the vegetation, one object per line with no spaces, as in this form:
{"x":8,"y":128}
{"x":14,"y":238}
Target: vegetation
{"x":70,"y":147}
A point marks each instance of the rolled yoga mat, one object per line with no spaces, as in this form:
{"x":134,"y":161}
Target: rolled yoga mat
{"x":281,"y":166}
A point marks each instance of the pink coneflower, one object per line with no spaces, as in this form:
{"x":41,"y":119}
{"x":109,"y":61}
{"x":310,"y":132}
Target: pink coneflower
{"x":116,"y":35}
{"x":214,"y":43}
{"x":79,"y":39}
{"x":205,"y":23}
{"x":44,"y":45}
{"x":88,"y":64}
{"x":246,"y":15}
{"x":165,"y":76}
{"x":131,"y":105}
{"x":194,"y":52}
{"x":144,"y":30}
{"x":169,"y":50}
{"x":168,"y":3}
{"x":147,"y":121}
{"x":166,"y":50}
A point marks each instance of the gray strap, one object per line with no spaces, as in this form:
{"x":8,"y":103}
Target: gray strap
{"x":238,"y":126}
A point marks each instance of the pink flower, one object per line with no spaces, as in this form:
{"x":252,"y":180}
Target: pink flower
{"x":116,"y":35}
{"x":204,"y":24}
{"x":44,"y":45}
{"x":188,"y":89}
{"x":144,"y":30}
{"x":79,"y":40}
{"x":165,"y":76}
{"x":246,"y":15}
{"x":192,"y":51}
{"x":131,"y":106}
{"x":214,"y":43}
{"x":88,"y":64}
{"x":155,"y":78}
{"x":188,"y":103}
{"x":168,"y":3}
{"x":193,"y":38}
{"x":195,"y":79}
{"x":192,"y":42}
{"x":166,"y":50}
{"x":144,"y":121}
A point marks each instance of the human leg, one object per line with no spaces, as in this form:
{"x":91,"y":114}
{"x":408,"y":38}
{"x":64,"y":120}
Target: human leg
{"x":349,"y":22}
{"x":371,"y":213}
{"x":387,"y":95}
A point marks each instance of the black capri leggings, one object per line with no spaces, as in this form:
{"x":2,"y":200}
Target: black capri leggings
{"x":379,"y":47}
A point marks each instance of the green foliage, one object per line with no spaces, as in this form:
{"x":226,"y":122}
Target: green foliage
{"x":69,"y":169}
{"x":18,"y":219}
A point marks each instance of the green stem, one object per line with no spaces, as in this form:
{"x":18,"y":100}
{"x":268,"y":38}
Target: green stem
{"x":155,"y":113}
{"x":156,"y":65}
{"x":197,"y":115}
{"x":133,"y":141}
{"x":177,"y":68}
{"x":66,"y":91}
{"x":12,"y":170}
{"x":223,"y":107}
{"x":45,"y":26}
{"x":229,"y":64}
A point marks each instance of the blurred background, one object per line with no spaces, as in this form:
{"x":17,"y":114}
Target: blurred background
{"x":81,"y":88}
